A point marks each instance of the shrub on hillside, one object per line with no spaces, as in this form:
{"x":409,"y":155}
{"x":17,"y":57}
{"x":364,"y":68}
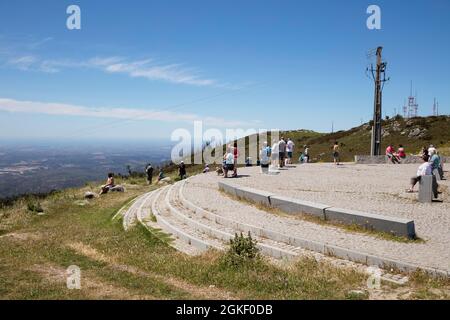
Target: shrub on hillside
{"x":242,"y":250}
{"x":34,"y":206}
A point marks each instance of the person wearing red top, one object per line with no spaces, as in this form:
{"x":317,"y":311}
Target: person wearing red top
{"x":401,"y":152}
{"x":390,"y":153}
{"x":236,"y":154}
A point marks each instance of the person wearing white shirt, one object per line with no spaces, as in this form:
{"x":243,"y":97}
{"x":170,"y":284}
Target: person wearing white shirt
{"x":423,"y":170}
{"x":229,"y":162}
{"x":290,"y":150}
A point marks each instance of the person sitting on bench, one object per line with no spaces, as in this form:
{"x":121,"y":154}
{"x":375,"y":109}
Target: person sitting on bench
{"x":161,"y":175}
{"x":423,"y":170}
{"x":401,"y":154}
{"x":390,"y":153}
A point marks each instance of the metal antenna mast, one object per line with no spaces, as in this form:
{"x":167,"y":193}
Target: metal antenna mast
{"x":379,"y":77}
{"x":435,"y":108}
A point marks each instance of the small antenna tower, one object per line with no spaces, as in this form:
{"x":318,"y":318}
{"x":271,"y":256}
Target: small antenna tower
{"x":411,"y":110}
{"x":435,"y":108}
{"x":405,"y":110}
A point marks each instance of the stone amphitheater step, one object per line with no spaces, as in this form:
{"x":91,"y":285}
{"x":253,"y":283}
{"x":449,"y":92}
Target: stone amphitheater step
{"x":175,"y":225}
{"x":147,"y":219}
{"x":358,"y":247}
{"x":225,"y":229}
{"x":130,"y":215}
{"x":222,"y":232}
{"x":196,"y":230}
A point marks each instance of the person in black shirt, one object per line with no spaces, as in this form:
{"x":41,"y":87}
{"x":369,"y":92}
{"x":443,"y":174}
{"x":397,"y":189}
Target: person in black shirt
{"x":149,"y":172}
{"x":182,"y":170}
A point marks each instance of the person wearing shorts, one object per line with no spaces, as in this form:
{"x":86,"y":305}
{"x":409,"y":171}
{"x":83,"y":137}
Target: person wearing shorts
{"x":336,"y":153}
{"x":229,"y":162}
{"x":236,"y":155}
{"x":290,"y":150}
{"x":282,"y":151}
{"x":306,"y":153}
{"x":264,"y":156}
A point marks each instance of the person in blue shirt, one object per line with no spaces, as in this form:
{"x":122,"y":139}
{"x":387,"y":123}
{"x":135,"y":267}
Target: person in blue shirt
{"x":435,"y":161}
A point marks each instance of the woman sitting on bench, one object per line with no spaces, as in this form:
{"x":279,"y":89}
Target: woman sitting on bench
{"x":392,"y":156}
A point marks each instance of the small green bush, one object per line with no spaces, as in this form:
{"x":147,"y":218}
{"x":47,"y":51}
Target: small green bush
{"x":34,"y":206}
{"x":242,"y":250}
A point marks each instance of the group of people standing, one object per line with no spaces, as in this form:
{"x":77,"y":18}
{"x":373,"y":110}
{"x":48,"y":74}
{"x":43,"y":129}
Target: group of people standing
{"x":279,"y":154}
{"x":149,"y":172}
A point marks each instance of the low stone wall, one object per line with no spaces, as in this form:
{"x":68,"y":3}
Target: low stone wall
{"x":365,"y":159}
{"x":371,"y":221}
{"x":392,"y":225}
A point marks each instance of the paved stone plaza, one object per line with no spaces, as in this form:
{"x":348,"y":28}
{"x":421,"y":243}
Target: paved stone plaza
{"x":372,"y":188}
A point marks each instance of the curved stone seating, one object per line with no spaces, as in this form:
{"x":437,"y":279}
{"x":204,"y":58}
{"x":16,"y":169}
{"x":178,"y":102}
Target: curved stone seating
{"x":201,"y":229}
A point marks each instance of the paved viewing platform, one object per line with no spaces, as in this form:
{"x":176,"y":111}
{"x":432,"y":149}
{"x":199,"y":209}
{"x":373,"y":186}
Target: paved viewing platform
{"x":200,"y":216}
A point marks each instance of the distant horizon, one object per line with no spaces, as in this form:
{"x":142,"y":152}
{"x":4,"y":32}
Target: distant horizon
{"x":119,"y":142}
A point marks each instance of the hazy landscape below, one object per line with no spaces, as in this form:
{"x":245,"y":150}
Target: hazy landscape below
{"x":42,"y":166}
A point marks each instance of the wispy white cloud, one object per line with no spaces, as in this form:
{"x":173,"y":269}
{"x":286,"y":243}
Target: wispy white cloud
{"x":23,"y":63}
{"x":17,"y":106}
{"x":23,"y":54}
{"x":147,"y":68}
{"x":38,"y":43}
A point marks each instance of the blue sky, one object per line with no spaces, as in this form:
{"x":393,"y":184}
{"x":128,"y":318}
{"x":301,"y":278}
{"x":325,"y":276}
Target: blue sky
{"x":140,"y":69}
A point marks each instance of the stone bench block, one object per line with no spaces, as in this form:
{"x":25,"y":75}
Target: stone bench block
{"x":427,"y":189}
{"x":253,"y":195}
{"x":396,"y":226}
{"x":227,"y":188}
{"x":296,"y":206}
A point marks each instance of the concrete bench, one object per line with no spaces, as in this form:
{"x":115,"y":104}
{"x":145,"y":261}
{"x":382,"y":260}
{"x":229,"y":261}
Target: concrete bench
{"x":227,"y":188}
{"x":427,"y":189}
{"x":371,"y":221}
{"x":437,"y":174}
{"x":297,"y":206}
{"x":253,"y":195}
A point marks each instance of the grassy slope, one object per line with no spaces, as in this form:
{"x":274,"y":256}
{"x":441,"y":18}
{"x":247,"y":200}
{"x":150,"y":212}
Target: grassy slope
{"x":36,"y":250}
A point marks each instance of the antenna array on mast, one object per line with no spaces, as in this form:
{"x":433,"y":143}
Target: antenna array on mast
{"x":411,"y":109}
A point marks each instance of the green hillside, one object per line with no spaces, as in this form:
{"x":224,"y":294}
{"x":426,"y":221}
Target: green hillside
{"x":413,"y":134}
